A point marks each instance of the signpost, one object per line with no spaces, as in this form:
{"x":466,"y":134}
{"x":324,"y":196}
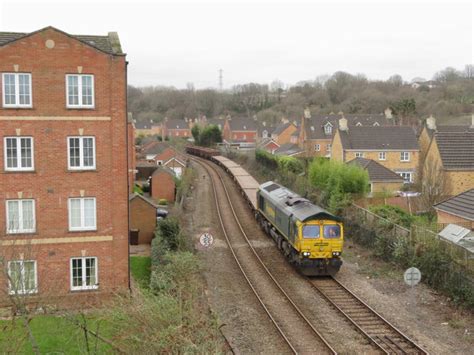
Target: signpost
{"x":412,"y":277}
{"x":206,"y":239}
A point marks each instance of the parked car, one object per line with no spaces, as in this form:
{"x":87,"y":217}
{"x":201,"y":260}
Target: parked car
{"x":161,"y":213}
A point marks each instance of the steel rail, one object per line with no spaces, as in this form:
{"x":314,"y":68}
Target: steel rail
{"x":289,"y":299}
{"x":388,"y":345}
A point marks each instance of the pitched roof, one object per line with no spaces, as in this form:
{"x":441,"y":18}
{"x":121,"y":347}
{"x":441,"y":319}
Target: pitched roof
{"x":174,"y":123}
{"x":242,"y":124}
{"x":314,"y":126}
{"x":383,"y":138}
{"x":155,"y":147}
{"x":461,"y":205}
{"x":288,"y":149}
{"x":109,"y":44}
{"x":281,"y":128}
{"x":450,"y":128}
{"x":144,"y":198}
{"x":456,"y":150}
{"x":143,"y":125}
{"x":377,"y":172}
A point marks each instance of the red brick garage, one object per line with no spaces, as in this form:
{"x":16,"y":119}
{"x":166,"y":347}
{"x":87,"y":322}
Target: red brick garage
{"x":162,"y":184}
{"x":143,"y":217}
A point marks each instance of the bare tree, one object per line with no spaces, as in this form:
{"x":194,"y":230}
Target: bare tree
{"x":434,"y":184}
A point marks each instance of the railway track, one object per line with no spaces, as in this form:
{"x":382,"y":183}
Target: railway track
{"x":294,"y":327}
{"x":379,"y":331}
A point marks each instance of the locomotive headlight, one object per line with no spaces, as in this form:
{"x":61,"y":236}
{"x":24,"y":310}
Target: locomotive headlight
{"x":306,"y":253}
{"x":336,"y":253}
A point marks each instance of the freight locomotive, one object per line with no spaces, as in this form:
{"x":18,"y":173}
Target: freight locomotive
{"x":310,"y":237}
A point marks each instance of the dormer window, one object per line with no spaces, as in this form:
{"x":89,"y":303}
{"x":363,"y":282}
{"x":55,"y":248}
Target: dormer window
{"x":358,"y":124}
{"x":265,"y":134}
{"x":376,"y":124}
{"x":328,"y":129}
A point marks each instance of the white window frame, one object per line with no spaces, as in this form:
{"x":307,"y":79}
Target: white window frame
{"x":23,"y":291}
{"x":410,"y":180}
{"x":17,"y":91}
{"x":18,"y":152}
{"x":317,"y":147}
{"x":79,"y":91}
{"x":20,"y":230}
{"x":382,"y":156}
{"x":327,"y":129}
{"x":359,"y":154}
{"x":81,"y":153}
{"x":402,"y":156}
{"x":83,"y":267}
{"x":82,"y":227}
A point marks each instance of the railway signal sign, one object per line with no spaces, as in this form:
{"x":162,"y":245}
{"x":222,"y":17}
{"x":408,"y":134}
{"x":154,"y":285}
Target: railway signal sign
{"x":412,"y":276}
{"x":206,"y":239}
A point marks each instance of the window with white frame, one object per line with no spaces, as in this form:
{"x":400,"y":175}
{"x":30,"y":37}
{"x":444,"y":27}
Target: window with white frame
{"x":82,"y":214}
{"x":407,"y":176}
{"x":84,"y":274}
{"x":18,"y":153}
{"x":382,"y":156}
{"x":404,"y":156}
{"x":16,"y":90}
{"x":317,"y":147}
{"x":328,"y":147}
{"x":22,"y":277}
{"x":81,"y":153}
{"x":328,"y":129}
{"x":359,"y":155}
{"x":20,"y":216}
{"x":80,"y":91}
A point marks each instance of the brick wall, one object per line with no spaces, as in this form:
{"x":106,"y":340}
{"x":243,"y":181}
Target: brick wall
{"x":446,"y":218}
{"x":143,"y":217}
{"x":162,"y":185}
{"x":49,"y":122}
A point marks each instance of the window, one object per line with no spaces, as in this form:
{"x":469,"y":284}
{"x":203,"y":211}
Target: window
{"x":328,"y":129}
{"x":359,"y":155}
{"x":80,"y":91}
{"x":310,"y":231}
{"x":18,"y":153}
{"x":22,"y":277}
{"x":84,"y":274}
{"x":81,"y":153}
{"x":20,"y":216}
{"x":407,"y":176}
{"x":382,"y":156}
{"x":404,"y":156}
{"x":328,"y":147}
{"x":317,"y":147}
{"x":16,"y":90}
{"x":332,"y":231}
{"x":82,"y":214}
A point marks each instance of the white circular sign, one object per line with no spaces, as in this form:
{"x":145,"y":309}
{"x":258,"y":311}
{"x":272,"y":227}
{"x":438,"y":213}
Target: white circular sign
{"x":412,"y":276}
{"x":206,"y":239}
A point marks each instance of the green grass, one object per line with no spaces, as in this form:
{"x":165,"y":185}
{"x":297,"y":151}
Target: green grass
{"x":140,"y":267}
{"x":54,"y":334}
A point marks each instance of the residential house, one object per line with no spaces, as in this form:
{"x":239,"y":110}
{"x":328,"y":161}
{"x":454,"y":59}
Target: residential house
{"x":63,"y":185}
{"x":147,"y":128}
{"x":450,"y":157}
{"x":175,"y":128}
{"x":152,"y":150}
{"x":145,"y":169}
{"x":394,"y":147}
{"x":240,"y":130}
{"x":381,"y":179}
{"x":176,"y":164}
{"x":162,"y":185}
{"x":428,"y":84}
{"x":265,"y":130}
{"x":458,"y":209}
{"x":143,"y":217}
{"x":282,"y":133}
{"x":317,"y":132}
{"x":268,"y":144}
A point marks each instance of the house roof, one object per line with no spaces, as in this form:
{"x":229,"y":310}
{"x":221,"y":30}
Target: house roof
{"x":281,"y":128}
{"x":242,"y":124}
{"x":288,"y":149}
{"x":461,"y":205}
{"x":314,"y":126}
{"x":143,"y":125}
{"x":174,"y":123}
{"x":155,"y":147}
{"x":449,"y":128}
{"x":456,"y":150}
{"x":216,"y":121}
{"x":459,"y":235}
{"x":109,"y":44}
{"x":377,"y":172}
{"x":382,"y":138}
{"x":144,"y":198}
{"x":163,"y":169}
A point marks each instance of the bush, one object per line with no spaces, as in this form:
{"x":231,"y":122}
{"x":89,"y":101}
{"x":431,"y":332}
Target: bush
{"x":290,"y":164}
{"x":163,"y":202}
{"x":266,"y":159}
{"x":394,"y":214}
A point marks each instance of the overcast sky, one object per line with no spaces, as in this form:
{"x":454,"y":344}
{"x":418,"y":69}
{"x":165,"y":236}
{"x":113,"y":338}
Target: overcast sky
{"x":173,"y":43}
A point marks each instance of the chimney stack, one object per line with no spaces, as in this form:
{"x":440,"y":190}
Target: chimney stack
{"x":343,"y":124}
{"x":307,"y":113}
{"x":431,"y":123}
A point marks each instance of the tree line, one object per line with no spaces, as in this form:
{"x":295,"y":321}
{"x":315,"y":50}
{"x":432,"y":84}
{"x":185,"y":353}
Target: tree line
{"x":453,"y":95}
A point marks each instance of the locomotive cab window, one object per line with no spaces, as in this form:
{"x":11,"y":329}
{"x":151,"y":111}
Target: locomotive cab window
{"x":332,"y":231}
{"x":310,"y":232}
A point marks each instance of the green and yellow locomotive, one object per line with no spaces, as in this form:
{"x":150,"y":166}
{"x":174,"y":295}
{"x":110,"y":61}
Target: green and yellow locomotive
{"x":310,"y":237}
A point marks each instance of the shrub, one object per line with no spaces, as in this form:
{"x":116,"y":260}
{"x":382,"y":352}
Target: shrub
{"x":394,"y":214}
{"x":162,"y":202}
{"x":290,"y":164}
{"x":266,"y":159}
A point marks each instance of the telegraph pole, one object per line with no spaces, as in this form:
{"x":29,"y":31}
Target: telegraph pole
{"x":221,"y":83}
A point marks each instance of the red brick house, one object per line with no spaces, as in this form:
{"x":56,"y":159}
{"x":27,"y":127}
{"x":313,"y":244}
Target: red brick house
{"x":162,"y":185}
{"x":63,"y":167}
{"x":174,"y":128}
{"x":240,"y":130}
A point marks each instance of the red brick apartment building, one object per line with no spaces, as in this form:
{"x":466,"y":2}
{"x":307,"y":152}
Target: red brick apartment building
{"x":63,"y":166}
